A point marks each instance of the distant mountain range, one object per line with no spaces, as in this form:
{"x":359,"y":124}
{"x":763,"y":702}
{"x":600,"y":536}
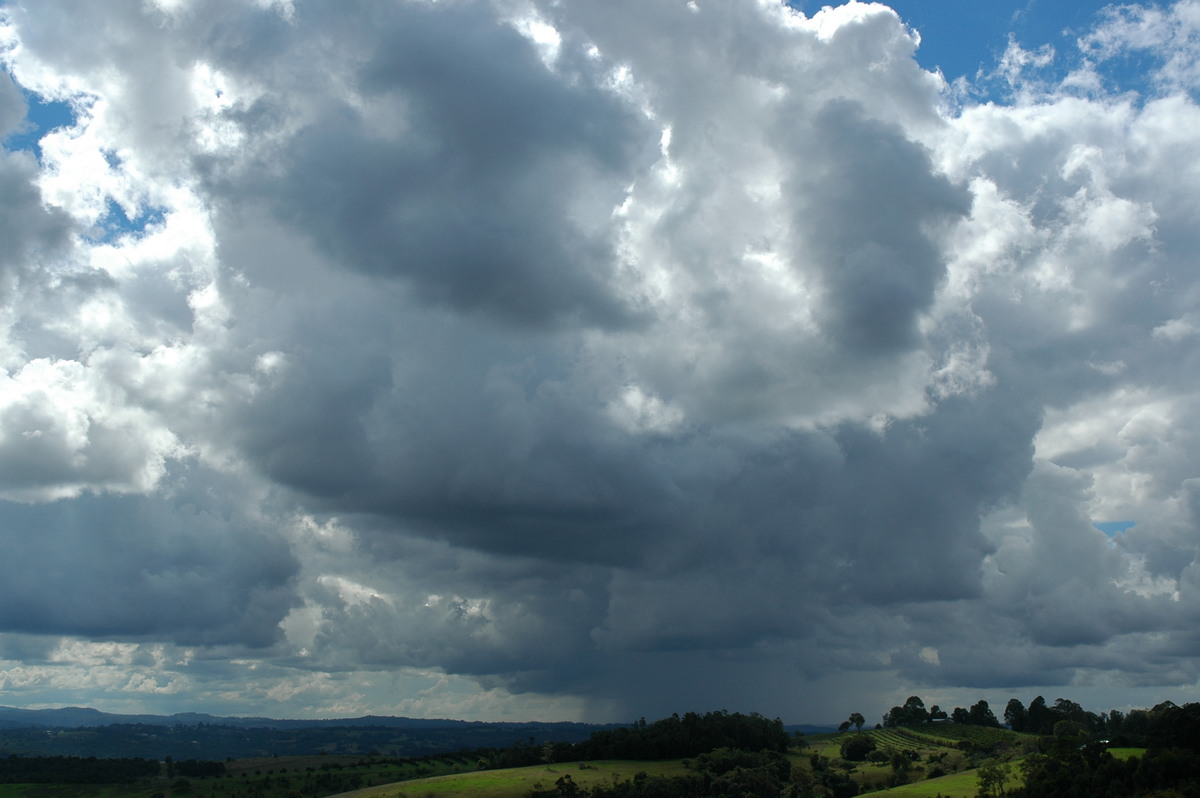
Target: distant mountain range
{"x":79,"y":717}
{"x":82,"y":731}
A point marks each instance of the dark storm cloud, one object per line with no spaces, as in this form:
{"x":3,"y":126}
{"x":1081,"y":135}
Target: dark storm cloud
{"x":870,"y":202}
{"x":530,"y":632}
{"x":810,"y":521}
{"x":482,"y":443}
{"x":145,"y":569}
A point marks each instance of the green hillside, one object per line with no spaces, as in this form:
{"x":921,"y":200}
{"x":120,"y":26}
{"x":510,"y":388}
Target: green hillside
{"x":939,"y":759}
{"x":521,"y":782}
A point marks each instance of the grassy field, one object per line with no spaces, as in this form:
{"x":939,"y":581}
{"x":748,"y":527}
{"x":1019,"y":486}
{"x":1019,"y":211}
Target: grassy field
{"x":518,"y":782}
{"x":956,"y":785}
{"x":828,"y":745}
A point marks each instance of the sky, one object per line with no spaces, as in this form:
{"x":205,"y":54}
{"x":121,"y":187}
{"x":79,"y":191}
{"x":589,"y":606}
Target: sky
{"x":527,"y":359}
{"x":963,"y":39}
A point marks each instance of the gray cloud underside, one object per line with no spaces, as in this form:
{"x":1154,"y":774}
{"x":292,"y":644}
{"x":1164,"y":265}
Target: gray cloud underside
{"x":647,"y":355}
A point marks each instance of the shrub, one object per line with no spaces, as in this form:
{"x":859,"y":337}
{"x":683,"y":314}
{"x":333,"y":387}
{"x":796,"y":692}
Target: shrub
{"x":856,"y":747}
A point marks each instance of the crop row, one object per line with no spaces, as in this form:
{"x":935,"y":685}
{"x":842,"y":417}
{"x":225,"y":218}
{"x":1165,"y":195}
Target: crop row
{"x":976,"y":734}
{"x":907,"y":738}
{"x":950,"y":733}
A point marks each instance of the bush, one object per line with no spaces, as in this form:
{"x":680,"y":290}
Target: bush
{"x":856,"y":747}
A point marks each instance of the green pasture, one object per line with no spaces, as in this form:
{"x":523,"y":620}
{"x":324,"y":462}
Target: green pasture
{"x":827,"y":745}
{"x":518,"y":782}
{"x":955,"y":785}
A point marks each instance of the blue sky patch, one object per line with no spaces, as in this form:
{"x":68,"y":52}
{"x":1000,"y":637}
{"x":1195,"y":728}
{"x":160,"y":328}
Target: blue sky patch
{"x":967,"y":39}
{"x":116,"y":222}
{"x":41,"y":117}
{"x":1114,"y":528}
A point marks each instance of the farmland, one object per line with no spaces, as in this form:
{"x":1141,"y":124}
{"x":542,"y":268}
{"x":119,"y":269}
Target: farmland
{"x":932,"y":759}
{"x":520,"y":782}
{"x":938,"y":764}
{"x":958,"y":785}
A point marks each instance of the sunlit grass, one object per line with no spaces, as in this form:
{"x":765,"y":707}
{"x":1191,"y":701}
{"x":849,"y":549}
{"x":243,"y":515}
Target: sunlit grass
{"x":518,"y":782}
{"x":955,"y":785}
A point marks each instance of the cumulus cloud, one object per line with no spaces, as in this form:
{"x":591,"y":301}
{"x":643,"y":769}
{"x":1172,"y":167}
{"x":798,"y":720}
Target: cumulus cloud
{"x":522,"y":356}
{"x":12,"y":105}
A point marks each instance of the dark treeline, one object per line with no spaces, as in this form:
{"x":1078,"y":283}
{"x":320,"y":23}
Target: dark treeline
{"x":1071,"y":763}
{"x":690,"y":735}
{"x":74,"y":770}
{"x":202,"y":769}
{"x":675,"y":737}
{"x":1092,"y":773}
{"x":1164,"y":723}
{"x":1138,"y":727}
{"x":914,"y":713}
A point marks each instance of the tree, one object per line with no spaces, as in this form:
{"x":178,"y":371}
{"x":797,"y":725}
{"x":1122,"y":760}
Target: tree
{"x":937,"y":713}
{"x":858,"y":720}
{"x":1015,"y":715}
{"x":992,"y":778}
{"x":914,"y":707}
{"x":1066,"y":709}
{"x":844,"y":727}
{"x":1039,"y":718}
{"x":1114,"y":719}
{"x":981,"y":714}
{"x":912,"y":713}
{"x":1073,"y":730}
{"x":566,"y":786}
{"x":856,"y":747}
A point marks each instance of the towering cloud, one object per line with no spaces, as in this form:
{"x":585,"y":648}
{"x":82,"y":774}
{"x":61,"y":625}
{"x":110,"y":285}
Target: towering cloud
{"x":494,"y":358}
